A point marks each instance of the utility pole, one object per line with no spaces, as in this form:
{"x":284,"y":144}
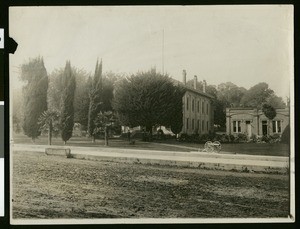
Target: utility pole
{"x":163,"y":50}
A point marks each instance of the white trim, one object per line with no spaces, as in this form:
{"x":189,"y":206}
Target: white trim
{"x":152,"y":221}
{"x":2,"y":187}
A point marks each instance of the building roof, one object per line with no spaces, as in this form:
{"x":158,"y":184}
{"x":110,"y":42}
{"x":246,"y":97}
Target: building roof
{"x":187,"y":87}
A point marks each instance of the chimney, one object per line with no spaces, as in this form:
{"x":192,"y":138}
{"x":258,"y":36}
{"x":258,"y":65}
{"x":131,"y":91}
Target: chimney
{"x":184,"y":77}
{"x":195,"y":82}
{"x":204,"y":86}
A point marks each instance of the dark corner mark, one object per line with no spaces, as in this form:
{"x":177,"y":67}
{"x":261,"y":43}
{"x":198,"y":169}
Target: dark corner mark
{"x":11,"y":45}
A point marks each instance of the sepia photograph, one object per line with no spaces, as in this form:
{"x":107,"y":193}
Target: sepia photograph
{"x":152,"y":114}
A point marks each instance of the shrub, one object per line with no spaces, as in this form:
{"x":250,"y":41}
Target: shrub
{"x":223,"y":138}
{"x":195,"y":138}
{"x":231,"y":138}
{"x":253,"y":138}
{"x":285,"y":137}
{"x":205,"y":138}
{"x":242,"y":138}
{"x":183,"y":137}
{"x":275,"y":138}
{"x":265,"y":139}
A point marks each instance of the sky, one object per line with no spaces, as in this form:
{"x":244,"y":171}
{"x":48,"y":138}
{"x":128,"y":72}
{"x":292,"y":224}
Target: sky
{"x":242,"y":44}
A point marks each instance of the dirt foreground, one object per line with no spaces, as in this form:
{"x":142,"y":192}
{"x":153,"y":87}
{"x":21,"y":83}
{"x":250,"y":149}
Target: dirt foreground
{"x":50,"y":187}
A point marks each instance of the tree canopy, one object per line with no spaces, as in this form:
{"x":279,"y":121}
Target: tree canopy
{"x":230,"y":94}
{"x":67,"y":103}
{"x":35,"y":95}
{"x":148,"y":99}
{"x":96,"y":100}
{"x":257,"y":95}
{"x":269,"y":111}
{"x":81,"y":97}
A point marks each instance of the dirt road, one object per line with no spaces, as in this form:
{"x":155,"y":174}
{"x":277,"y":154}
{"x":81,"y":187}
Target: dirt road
{"x":57,"y":187}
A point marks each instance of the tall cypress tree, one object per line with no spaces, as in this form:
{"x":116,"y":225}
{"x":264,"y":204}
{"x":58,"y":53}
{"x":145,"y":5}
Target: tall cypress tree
{"x":35,"y":95}
{"x":68,"y":83}
{"x":95,"y":99}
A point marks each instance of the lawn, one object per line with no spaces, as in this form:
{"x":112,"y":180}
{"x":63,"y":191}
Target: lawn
{"x":87,"y":142}
{"x":56,"y":187}
{"x":272,"y":149}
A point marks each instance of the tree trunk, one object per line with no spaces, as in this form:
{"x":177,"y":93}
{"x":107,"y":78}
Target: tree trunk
{"x":149,"y":128}
{"x":65,"y":142}
{"x":257,"y":123}
{"x":105,"y":137}
{"x":93,"y":139}
{"x":50,"y":133}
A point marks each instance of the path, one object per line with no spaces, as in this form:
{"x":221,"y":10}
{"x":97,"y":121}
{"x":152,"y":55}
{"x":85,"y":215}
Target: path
{"x":187,"y":159}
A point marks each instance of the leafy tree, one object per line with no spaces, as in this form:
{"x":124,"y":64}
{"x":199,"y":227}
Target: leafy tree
{"x":257,"y":95}
{"x":35,"y":95}
{"x":81,"y":99}
{"x":103,"y":122}
{"x":17,"y":109}
{"x":230,"y":94}
{"x":219,"y":113}
{"x":95,"y":99}
{"x":269,"y":111}
{"x":147,"y":99}
{"x":176,"y":121}
{"x":67,"y":103}
{"x":108,"y":80}
{"x":49,"y":121}
{"x":276,"y":101}
{"x":55,"y":89}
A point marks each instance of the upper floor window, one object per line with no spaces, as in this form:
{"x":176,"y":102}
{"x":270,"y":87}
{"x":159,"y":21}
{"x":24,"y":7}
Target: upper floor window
{"x":202,"y":107}
{"x":193,"y":105}
{"x":198,"y":106}
{"x":187,"y":103}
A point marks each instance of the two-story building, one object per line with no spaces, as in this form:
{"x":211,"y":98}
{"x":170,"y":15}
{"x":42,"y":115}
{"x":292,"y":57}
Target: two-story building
{"x":197,"y":110}
{"x":253,"y":121}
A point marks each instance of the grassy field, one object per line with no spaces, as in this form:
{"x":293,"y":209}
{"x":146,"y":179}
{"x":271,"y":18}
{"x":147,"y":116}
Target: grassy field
{"x":275,"y":149}
{"x":57,"y":187}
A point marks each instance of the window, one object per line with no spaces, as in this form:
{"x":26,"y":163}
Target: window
{"x":187,"y":123}
{"x":202,"y":125}
{"x":202,"y":107}
{"x":193,"y":124}
{"x":207,"y":108}
{"x":198,"y":106}
{"x":193,"y":104}
{"x":237,"y":127}
{"x":207,"y":125}
{"x":187,"y":103}
{"x":198,"y":125}
{"x":276,"y":126}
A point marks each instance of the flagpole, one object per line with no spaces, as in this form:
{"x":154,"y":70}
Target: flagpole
{"x":163,"y":50}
